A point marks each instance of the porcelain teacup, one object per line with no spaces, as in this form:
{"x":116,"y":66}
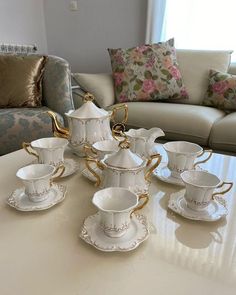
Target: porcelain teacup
{"x":37,"y":179}
{"x":182,"y":156}
{"x":47,"y":150}
{"x":101,"y":148}
{"x":200,"y":186}
{"x":116,"y":206}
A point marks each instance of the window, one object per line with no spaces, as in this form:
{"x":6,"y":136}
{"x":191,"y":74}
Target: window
{"x":195,"y":24}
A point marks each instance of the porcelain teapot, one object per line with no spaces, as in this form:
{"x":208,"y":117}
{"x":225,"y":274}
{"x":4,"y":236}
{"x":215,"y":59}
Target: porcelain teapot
{"x":87,"y":125}
{"x":124,"y":168}
{"x":142,"y":141}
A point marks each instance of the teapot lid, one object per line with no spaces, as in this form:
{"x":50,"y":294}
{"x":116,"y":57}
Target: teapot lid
{"x":124,"y":158}
{"x":88,"y":109}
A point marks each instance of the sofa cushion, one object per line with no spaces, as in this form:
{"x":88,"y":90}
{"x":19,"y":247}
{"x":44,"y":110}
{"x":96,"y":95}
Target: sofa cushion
{"x":195,"y":65}
{"x":147,"y":73}
{"x":221,"y":91}
{"x":21,"y":80}
{"x":222,"y":136}
{"x":24,"y":124}
{"x":100,"y":85}
{"x":178,"y":121}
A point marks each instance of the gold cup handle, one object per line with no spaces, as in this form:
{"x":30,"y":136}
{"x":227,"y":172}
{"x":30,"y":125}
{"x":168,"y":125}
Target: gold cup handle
{"x":205,"y":160}
{"x":139,"y":207}
{"x":60,"y":167}
{"x":225,"y":191}
{"x":90,"y":151}
{"x":153,"y":167}
{"x":116,"y":109}
{"x":99,"y":165}
{"x":26,"y":146}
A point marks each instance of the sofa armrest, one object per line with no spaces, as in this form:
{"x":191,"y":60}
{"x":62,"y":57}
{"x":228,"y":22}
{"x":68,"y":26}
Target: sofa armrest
{"x":57,"y":94}
{"x":100,"y":85}
{"x":232,"y":68}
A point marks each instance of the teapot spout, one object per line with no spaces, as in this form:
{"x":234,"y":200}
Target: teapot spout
{"x":58,"y":131}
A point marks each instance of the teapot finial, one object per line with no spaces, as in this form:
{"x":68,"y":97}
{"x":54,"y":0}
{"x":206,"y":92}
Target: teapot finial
{"x":118,"y":132}
{"x":124,"y":144}
{"x":88,"y":97}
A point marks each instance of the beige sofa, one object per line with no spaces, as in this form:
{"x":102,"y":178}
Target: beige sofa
{"x":180,"y":120}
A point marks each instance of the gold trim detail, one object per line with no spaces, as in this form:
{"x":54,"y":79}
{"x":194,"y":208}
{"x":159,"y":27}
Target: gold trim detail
{"x":99,"y":165}
{"x":62,"y":168}
{"x":58,"y":131}
{"x":88,"y":97}
{"x":225,"y":191}
{"x":205,"y":160}
{"x":26,"y":146}
{"x":139,"y":207}
{"x":153,"y":167}
{"x":123,"y":107}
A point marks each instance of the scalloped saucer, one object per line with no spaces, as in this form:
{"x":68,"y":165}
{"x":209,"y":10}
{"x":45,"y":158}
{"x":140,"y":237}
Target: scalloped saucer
{"x":71,"y":166}
{"x":93,"y":234}
{"x":163,"y":173}
{"x":214,"y":211}
{"x":20,"y":201}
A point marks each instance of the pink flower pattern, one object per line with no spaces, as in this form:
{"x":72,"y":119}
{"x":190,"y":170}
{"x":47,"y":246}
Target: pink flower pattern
{"x":118,"y":78}
{"x":149,"y":86}
{"x":220,"y":87}
{"x":221,"y":91}
{"x":147,"y":72}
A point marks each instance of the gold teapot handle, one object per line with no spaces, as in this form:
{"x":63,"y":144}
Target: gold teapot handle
{"x":116,"y":109}
{"x":225,"y":191}
{"x":89,"y":151}
{"x":60,"y":167}
{"x":139,"y":207}
{"x":205,"y":160}
{"x":153,"y":167}
{"x":58,"y":131}
{"x":26,"y":146}
{"x":99,"y":165}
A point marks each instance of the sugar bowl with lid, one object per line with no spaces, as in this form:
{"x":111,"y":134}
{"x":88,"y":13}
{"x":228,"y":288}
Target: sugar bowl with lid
{"x":124,"y":168}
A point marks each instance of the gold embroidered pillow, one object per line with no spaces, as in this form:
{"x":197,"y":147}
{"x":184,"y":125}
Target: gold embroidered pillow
{"x":221,"y":91}
{"x":147,"y":73}
{"x":21,"y":80}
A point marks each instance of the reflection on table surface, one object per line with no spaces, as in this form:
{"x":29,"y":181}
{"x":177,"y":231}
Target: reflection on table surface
{"x":207,"y":248}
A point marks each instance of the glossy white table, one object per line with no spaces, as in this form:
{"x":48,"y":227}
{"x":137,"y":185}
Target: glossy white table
{"x":41,"y":252}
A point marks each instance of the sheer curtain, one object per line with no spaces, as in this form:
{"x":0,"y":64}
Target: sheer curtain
{"x":195,"y":24}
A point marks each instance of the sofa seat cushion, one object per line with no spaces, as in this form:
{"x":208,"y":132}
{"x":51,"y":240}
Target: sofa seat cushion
{"x":24,"y":124}
{"x":178,"y":121}
{"x":223,"y":136}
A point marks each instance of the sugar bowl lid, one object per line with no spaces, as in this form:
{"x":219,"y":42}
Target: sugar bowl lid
{"x":88,"y":109}
{"x":124,"y":158}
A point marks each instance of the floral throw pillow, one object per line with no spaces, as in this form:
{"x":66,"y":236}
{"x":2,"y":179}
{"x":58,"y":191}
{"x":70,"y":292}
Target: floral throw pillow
{"x":147,"y":73}
{"x":221,"y":92}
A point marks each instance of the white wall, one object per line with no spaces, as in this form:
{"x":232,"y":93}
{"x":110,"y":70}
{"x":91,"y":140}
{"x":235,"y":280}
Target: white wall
{"x":22,"y":21}
{"x":83,"y":36}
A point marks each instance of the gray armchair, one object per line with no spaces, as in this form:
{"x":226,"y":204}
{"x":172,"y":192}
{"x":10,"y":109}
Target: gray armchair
{"x":27,"y":124}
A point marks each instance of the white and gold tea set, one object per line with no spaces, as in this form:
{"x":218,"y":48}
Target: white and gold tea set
{"x":120,"y":164}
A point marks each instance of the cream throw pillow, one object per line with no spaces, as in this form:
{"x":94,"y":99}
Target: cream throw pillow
{"x":194,"y":66}
{"x":100,"y":85}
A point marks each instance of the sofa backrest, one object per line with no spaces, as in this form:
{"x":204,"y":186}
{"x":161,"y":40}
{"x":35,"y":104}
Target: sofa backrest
{"x":194,"y":66}
{"x":232,"y":68}
{"x":57,"y":94}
